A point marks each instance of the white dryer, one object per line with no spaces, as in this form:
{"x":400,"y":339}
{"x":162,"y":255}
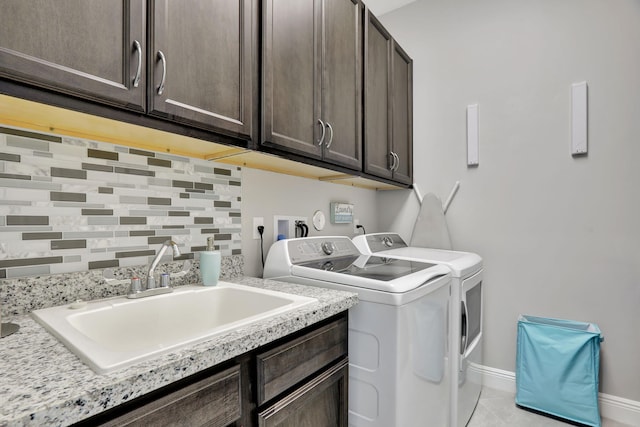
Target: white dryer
{"x":399,"y":372}
{"x":465,"y":333}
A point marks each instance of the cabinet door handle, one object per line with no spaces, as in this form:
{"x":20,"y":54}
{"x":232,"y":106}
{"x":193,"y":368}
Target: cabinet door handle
{"x":323,"y":132}
{"x":164,"y":71}
{"x":138,"y":48}
{"x":393,"y":161}
{"x":397,"y":162}
{"x":331,"y":137}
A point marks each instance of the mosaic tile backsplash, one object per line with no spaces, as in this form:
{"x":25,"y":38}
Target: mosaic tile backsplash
{"x":70,"y":204}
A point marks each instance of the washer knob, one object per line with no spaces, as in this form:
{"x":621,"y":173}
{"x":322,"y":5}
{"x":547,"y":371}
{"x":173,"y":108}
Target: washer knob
{"x":328,"y":248}
{"x":387,"y":241}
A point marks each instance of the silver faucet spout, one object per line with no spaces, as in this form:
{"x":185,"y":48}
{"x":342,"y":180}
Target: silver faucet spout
{"x":151,"y":281}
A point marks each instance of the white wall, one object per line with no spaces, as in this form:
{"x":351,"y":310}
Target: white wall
{"x":560,"y":236}
{"x":265,"y":194}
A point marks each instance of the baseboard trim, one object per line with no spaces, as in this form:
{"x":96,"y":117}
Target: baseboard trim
{"x":615,"y":408}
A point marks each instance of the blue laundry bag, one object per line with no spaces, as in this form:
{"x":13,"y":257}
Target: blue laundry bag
{"x":557,"y":365}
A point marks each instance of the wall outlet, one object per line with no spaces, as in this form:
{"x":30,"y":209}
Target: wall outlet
{"x":256,"y":222}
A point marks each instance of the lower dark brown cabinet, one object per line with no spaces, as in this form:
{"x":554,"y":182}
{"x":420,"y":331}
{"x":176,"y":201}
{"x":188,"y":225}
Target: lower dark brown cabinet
{"x":322,"y":402}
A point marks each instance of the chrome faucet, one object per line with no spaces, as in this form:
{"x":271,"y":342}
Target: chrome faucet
{"x":151,"y":289}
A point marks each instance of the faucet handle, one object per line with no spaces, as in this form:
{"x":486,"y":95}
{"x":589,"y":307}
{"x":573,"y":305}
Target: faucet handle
{"x":136,"y":286}
{"x":151,"y":282}
{"x":164,"y":280}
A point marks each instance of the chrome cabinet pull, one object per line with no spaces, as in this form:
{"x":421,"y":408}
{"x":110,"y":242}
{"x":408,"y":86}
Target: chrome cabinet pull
{"x":393,"y":161}
{"x":331,"y":137}
{"x":397,"y":161}
{"x":464,"y":327}
{"x":138,"y":48}
{"x":164,"y":71}
{"x":323,"y":132}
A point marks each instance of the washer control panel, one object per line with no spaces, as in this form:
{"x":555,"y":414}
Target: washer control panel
{"x":384,"y":242}
{"x":318,"y":248}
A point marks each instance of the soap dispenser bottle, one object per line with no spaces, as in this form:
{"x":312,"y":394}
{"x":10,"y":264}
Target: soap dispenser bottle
{"x":210,"y":264}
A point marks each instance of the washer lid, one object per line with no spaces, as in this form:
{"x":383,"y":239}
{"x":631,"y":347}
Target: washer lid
{"x":371,"y":272}
{"x":462,"y":264}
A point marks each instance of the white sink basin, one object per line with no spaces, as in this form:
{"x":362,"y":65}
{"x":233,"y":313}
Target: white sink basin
{"x":117,"y":332}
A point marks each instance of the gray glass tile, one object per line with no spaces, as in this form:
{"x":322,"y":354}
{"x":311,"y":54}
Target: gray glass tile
{"x":223,"y":237}
{"x":99,"y":168}
{"x":67,"y":197}
{"x":10,"y":157}
{"x":181,"y":184}
{"x":31,"y":144}
{"x":102,"y":220}
{"x":15,"y":203}
{"x":133,"y":220}
{"x":185,"y":195}
{"x":68,"y":173}
{"x":199,"y":196}
{"x":236,"y":252}
{"x":134,"y":254}
{"x":135,"y":233}
{"x":104,"y":264}
{"x":42,"y":236}
{"x":88,"y":234}
{"x":28,"y":271}
{"x":203,"y":169}
{"x":105,"y":190}
{"x":14,"y":229}
{"x":156,"y":240}
{"x":27,"y":220}
{"x":159,"y":182}
{"x":134,"y":200}
{"x":120,"y":149}
{"x":194,"y":190}
{"x":139,"y":212}
{"x":2,"y":220}
{"x":221,"y":204}
{"x":75,"y":205}
{"x":28,"y":134}
{"x":131,"y":171}
{"x":72,"y":258}
{"x":209,"y":230}
{"x":159,"y":162}
{"x":43,"y":179}
{"x":179,"y":213}
{"x":236,"y":221}
{"x":121,"y":233}
{"x":204,"y":186}
{"x":3,"y":274}
{"x":203,"y":220}
{"x":98,"y":250}
{"x":68,"y":244}
{"x":235,"y":183}
{"x":99,"y":154}
{"x":220,"y":171}
{"x":173,"y":158}
{"x":97,"y":211}
{"x":141,"y":152}
{"x":172,"y":227}
{"x":14,"y":176}
{"x":43,"y":154}
{"x":21,"y":262}
{"x":175,"y":232}
{"x":159,"y":201}
{"x":30,"y":184}
{"x":234,"y":214}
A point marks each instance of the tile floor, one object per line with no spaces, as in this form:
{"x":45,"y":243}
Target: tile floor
{"x":498,"y":409}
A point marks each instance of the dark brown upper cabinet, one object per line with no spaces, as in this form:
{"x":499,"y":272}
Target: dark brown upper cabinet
{"x":388,"y":105}
{"x":201,"y":61}
{"x":94,"y":49}
{"x":312,"y":79}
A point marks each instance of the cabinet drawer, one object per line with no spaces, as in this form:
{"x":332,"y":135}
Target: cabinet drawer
{"x":214,"y":401}
{"x":290,"y":363}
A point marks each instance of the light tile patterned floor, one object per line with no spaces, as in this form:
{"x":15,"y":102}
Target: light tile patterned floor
{"x":498,"y":409}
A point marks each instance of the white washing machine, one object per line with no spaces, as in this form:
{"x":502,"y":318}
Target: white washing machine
{"x":466,"y":314}
{"x":398,"y":338}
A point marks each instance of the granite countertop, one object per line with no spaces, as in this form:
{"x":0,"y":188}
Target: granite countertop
{"x":43,"y":383}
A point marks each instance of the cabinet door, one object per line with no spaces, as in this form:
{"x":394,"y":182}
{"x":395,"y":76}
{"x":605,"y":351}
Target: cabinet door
{"x":322,"y":402}
{"x":402,"y":114}
{"x":201,"y":62}
{"x":291,"y":76}
{"x":377,"y":96}
{"x":214,"y":401}
{"x":342,"y":82}
{"x":94,"y":49}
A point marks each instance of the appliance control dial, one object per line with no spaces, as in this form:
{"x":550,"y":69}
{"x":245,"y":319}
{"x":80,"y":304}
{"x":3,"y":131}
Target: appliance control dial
{"x":328,"y":248}
{"x":387,"y":241}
